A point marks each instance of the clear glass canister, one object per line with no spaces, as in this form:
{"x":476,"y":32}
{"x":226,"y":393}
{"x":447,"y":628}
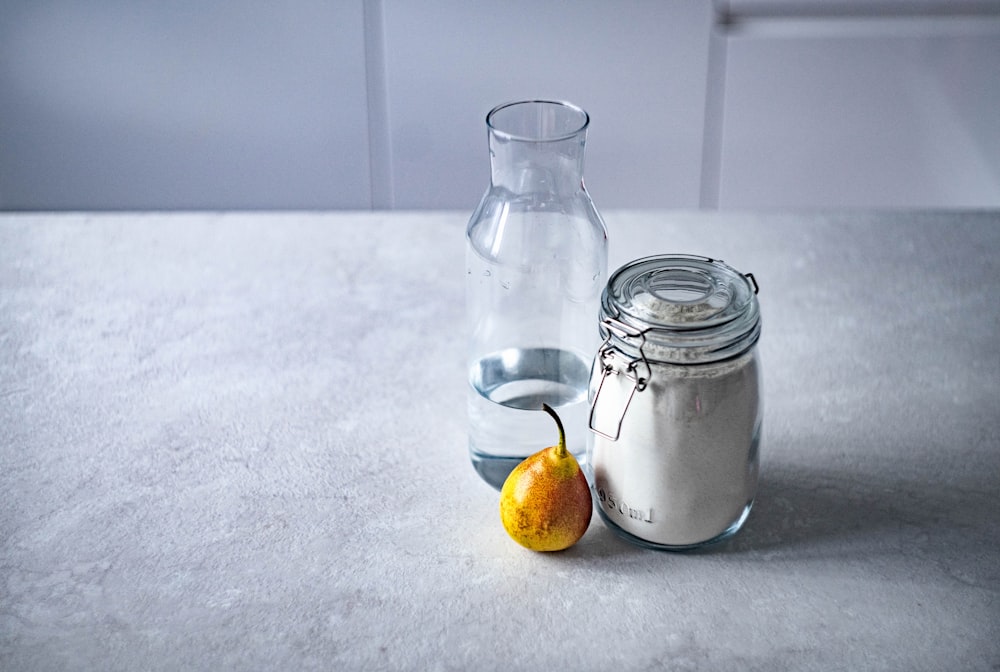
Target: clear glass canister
{"x":536,"y":263}
{"x":675,"y":402}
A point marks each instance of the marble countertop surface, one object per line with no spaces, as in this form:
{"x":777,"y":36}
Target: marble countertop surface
{"x":234,"y":441}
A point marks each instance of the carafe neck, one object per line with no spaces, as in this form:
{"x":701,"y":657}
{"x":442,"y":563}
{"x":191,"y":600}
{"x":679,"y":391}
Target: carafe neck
{"x":537,"y":148}
{"x":553,"y":168}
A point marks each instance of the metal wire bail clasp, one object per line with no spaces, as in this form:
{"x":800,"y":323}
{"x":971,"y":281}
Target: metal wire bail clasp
{"x":614,"y":362}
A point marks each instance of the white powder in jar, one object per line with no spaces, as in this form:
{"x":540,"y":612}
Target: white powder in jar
{"x":684,"y":468}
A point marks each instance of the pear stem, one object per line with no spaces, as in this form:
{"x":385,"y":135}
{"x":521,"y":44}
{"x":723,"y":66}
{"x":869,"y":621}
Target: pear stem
{"x":561,"y":448}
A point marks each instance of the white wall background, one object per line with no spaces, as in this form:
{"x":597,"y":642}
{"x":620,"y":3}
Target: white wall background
{"x":358,"y":104}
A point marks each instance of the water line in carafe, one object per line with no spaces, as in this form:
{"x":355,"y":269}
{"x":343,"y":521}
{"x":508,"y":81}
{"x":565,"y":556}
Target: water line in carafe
{"x":505,"y":396}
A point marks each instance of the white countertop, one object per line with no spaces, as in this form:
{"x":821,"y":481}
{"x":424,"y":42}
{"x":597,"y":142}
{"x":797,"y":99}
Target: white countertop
{"x":237,"y":442}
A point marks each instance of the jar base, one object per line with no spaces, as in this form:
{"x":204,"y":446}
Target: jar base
{"x":632,"y":539}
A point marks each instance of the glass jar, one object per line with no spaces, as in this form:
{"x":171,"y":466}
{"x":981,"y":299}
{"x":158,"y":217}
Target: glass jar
{"x":675,"y":396}
{"x":536,"y":263}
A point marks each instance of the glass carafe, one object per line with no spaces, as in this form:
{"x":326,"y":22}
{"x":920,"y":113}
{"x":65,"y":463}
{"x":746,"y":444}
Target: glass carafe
{"x":536,"y":263}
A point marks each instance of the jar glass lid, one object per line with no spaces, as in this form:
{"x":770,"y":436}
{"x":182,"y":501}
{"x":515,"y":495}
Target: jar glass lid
{"x":680,"y":308}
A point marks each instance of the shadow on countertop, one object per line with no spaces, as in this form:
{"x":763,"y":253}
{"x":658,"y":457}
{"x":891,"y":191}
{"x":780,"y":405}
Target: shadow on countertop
{"x":802,"y":513}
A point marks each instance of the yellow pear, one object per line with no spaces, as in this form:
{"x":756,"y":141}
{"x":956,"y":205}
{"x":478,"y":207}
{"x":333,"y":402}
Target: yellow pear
{"x":545,"y":503}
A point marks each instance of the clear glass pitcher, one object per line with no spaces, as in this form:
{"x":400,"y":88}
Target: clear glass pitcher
{"x":536,"y":263}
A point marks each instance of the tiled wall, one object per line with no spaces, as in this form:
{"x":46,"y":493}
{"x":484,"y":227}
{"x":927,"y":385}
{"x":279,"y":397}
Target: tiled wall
{"x":357,"y":104}
{"x":870,"y":103}
{"x":113,"y":104}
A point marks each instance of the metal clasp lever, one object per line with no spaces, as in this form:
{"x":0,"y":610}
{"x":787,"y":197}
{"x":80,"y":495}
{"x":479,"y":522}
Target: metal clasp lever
{"x":635,"y":370}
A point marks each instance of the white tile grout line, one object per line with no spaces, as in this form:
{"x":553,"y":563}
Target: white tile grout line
{"x":379,"y":135}
{"x":715,"y":98}
{"x":834,"y":9}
